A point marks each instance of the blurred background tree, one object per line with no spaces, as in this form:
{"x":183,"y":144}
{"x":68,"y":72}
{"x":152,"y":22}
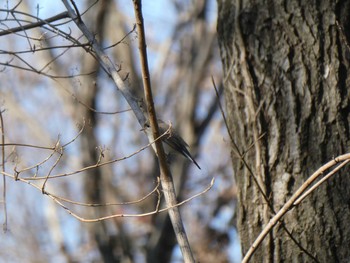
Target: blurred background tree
{"x":52,"y":87}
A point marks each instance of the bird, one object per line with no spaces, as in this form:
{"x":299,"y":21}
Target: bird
{"x":173,"y":142}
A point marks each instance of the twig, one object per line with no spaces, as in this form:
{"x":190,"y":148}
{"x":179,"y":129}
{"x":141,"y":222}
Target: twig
{"x":42,"y":22}
{"x":53,"y":149}
{"x":290,"y":203}
{"x":58,"y":149}
{"x":59,"y":200}
{"x":3,"y":170}
{"x":316,"y":185}
{"x":108,"y":65}
{"x":342,"y":34}
{"x":155,"y":189}
{"x":86,"y":168}
{"x":241,"y":157}
{"x":238,"y":152}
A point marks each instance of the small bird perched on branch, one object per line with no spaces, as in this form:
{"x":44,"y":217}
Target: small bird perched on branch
{"x":173,"y":142}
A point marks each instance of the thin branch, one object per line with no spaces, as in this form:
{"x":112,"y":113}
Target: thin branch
{"x":94,"y":110}
{"x":4,"y":201}
{"x":156,"y":211}
{"x":155,"y":189}
{"x":59,"y":201}
{"x":86,"y":168}
{"x":290,"y":203}
{"x":316,"y":185}
{"x":17,"y":173}
{"x":30,"y":68}
{"x":27,"y":145}
{"x":342,"y":34}
{"x":108,"y":66}
{"x":60,"y":151}
{"x":76,"y":136}
{"x":120,"y":41}
{"x":45,"y":74}
{"x":250,"y":171}
{"x":165,"y":174}
{"x":52,"y":148}
{"x":40,"y":23}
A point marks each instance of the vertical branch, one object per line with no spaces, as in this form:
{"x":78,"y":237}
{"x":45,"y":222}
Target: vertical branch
{"x":3,"y":170}
{"x":166,"y":177}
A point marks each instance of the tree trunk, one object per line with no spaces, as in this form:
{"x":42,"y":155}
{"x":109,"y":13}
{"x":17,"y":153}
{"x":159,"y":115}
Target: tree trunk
{"x":286,"y":77}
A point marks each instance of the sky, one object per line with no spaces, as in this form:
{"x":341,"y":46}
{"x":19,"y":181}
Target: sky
{"x":159,"y":21}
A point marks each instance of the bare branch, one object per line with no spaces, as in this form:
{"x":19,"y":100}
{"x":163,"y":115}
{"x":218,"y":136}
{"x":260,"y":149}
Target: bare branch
{"x":109,"y":66}
{"x":40,"y":23}
{"x":165,"y":174}
{"x":295,"y":200}
{"x":4,"y":200}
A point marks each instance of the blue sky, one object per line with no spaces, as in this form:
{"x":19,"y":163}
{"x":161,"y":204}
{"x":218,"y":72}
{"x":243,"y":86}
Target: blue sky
{"x":159,"y":21}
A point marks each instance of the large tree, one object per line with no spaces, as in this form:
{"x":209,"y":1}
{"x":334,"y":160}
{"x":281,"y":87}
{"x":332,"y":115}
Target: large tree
{"x":286,"y":87}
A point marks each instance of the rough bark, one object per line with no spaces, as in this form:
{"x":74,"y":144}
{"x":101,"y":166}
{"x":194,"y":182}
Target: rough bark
{"x":286,"y":68}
